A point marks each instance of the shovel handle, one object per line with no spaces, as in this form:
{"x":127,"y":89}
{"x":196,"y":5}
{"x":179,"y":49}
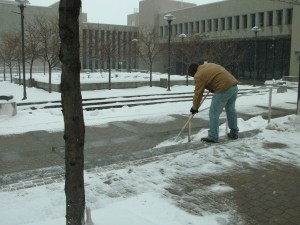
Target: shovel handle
{"x":190,"y":117}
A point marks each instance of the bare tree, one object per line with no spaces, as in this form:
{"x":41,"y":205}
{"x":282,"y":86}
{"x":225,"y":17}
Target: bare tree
{"x":33,"y":46}
{"x":9,"y":50}
{"x":294,"y":2}
{"x":2,"y":60}
{"x":187,"y":51}
{"x":18,"y":54}
{"x":48,"y":33}
{"x":224,"y":52}
{"x":74,"y":133}
{"x":149,"y":48}
{"x":109,"y":49}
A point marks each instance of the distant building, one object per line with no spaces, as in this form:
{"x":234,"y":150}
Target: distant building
{"x":228,"y":21}
{"x":233,"y":19}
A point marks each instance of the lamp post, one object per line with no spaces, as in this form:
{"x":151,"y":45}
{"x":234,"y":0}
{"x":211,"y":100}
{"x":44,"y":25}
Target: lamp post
{"x":255,"y":29}
{"x":169,"y":18}
{"x":22,"y":5}
{"x":135,"y":51}
{"x":297,"y":52}
{"x":183,"y":36}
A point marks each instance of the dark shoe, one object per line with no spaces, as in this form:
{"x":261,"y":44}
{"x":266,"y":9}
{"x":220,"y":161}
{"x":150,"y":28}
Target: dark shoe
{"x":233,"y":136}
{"x":207,"y":140}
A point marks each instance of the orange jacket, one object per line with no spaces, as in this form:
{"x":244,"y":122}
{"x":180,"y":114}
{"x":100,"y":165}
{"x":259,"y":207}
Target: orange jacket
{"x":212,"y":77}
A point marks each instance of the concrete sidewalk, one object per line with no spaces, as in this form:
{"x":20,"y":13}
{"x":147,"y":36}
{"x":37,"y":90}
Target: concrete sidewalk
{"x":41,"y":150}
{"x":40,"y":154}
{"x":37,"y":158}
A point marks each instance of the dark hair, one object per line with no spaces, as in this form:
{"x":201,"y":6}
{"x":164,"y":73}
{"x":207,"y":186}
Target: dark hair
{"x":192,"y":69}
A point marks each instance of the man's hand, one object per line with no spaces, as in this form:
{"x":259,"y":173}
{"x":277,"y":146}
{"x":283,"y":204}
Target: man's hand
{"x":194,"y":111}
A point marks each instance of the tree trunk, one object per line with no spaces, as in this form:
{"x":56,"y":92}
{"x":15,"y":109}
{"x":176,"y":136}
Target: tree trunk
{"x":72,"y":111}
{"x":150,"y":68}
{"x":4,"y":71}
{"x":19,"y":71}
{"x":109,"y":74}
{"x":50,"y":78}
{"x":30,"y":72}
{"x":10,"y":72}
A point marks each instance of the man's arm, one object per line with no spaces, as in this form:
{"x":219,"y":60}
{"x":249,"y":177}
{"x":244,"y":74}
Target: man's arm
{"x":198,"y":93}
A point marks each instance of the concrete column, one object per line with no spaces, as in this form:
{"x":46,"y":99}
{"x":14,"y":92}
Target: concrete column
{"x":295,"y":41}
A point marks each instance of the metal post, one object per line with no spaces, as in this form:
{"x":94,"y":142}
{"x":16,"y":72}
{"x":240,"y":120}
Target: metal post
{"x":226,"y":127}
{"x":169,"y":55}
{"x":298,"y":102}
{"x":135,"y":52}
{"x":297,"y":52}
{"x":169,"y":18}
{"x":270,"y":105}
{"x":135,"y":56}
{"x":23,"y":51}
{"x":255,"y":29}
{"x":255,"y":59}
{"x":190,"y":131}
{"x":182,"y":36}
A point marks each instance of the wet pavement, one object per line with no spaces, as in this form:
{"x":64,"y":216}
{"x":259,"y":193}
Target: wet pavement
{"x":37,"y":158}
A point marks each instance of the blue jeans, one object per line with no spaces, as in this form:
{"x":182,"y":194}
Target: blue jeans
{"x":219,"y":101}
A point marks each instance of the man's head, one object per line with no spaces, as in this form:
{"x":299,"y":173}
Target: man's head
{"x":192,"y":69}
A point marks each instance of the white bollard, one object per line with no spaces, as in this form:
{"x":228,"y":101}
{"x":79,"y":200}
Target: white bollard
{"x":270,"y":105}
{"x":190,"y":128}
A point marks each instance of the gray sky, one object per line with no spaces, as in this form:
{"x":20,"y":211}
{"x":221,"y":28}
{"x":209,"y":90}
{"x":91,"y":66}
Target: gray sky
{"x":110,"y":11}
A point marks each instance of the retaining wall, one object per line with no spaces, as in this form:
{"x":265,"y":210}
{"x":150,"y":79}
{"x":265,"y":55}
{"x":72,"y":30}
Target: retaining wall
{"x":114,"y":85}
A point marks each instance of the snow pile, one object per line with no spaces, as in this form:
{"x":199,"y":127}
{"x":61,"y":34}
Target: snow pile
{"x":152,"y":191}
{"x":136,"y":192}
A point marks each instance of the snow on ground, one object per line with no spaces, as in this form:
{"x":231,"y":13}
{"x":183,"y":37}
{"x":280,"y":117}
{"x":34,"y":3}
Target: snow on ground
{"x":35,"y":119}
{"x":135,"y":192}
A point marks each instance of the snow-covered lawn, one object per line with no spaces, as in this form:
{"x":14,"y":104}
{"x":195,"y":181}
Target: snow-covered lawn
{"x":136,"y":192}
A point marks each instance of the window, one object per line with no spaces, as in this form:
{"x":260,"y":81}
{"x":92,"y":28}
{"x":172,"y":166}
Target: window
{"x":222,"y":24}
{"x":229,"y":23}
{"x":208,"y":25}
{"x":202,"y":26}
{"x":197,"y":27}
{"x":289,"y":16}
{"x":175,"y":29}
{"x":180,"y":28}
{"x":237,"y":22}
{"x":261,"y":19}
{"x":186,"y":28}
{"x":166,"y":31}
{"x":216,"y":24}
{"x":191,"y":27}
{"x":245,"y":21}
{"x":253,"y":20}
{"x":270,"y":18}
{"x":279,"y":17}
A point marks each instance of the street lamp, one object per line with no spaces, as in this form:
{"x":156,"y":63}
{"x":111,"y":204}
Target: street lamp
{"x":22,"y":5}
{"x":169,"y":18}
{"x":183,"y":36}
{"x":255,"y":29}
{"x":135,"y":51}
{"x":297,"y":52}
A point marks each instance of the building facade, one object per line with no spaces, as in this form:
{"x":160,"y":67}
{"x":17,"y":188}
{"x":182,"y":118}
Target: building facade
{"x":108,"y":46}
{"x":230,"y":22}
{"x":278,"y":23}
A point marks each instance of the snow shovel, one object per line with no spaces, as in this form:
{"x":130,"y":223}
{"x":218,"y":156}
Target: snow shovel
{"x":189,"y":131}
{"x":189,"y":120}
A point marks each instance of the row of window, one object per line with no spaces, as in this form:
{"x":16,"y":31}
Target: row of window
{"x":261,"y":19}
